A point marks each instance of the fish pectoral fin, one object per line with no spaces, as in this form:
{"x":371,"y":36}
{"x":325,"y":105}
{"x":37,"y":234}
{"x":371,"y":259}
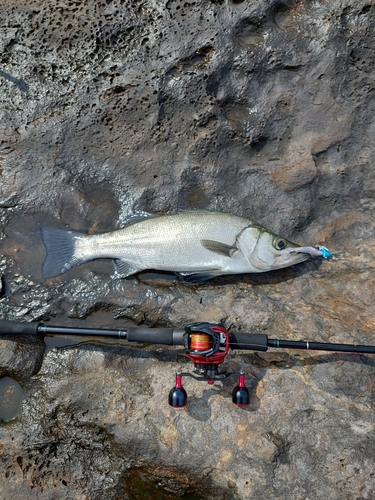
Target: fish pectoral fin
{"x":219,"y":248}
{"x":124,"y":269}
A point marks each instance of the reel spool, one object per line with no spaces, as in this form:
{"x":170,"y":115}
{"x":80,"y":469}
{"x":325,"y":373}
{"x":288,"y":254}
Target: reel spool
{"x":202,"y":343}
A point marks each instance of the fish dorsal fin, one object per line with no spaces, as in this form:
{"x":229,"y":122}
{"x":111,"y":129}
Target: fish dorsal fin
{"x":219,"y":248}
{"x":135,"y":217}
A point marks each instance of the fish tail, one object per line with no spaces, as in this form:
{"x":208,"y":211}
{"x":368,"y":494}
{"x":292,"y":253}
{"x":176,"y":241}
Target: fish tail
{"x":60,"y":248}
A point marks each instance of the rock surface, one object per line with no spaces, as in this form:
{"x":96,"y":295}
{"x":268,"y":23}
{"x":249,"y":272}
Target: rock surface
{"x":257,"y":108}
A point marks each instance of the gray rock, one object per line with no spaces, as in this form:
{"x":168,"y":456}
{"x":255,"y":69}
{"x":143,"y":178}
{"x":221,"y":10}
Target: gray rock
{"x":21,"y":356}
{"x":11,"y":397}
{"x":257,"y":108}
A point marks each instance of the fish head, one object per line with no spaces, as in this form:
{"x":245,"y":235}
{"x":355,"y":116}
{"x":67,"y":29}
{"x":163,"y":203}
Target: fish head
{"x":267,"y":251}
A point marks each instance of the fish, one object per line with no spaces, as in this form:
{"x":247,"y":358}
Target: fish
{"x":197,"y":244}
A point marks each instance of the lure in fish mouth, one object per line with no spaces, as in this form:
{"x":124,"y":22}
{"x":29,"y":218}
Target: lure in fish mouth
{"x":199,"y":245}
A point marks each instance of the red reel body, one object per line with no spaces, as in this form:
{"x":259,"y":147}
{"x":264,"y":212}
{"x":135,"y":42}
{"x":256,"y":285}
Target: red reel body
{"x":202,"y":343}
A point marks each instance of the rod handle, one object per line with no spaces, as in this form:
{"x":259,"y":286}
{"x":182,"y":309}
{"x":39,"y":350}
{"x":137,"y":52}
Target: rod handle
{"x":166,"y":336}
{"x":8,"y":327}
{"x":249,"y":341}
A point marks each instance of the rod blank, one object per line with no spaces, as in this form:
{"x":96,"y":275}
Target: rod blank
{"x":320,"y":346}
{"x":55,"y":330}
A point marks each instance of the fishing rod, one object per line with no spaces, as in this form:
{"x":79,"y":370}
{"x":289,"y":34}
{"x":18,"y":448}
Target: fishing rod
{"x":206,"y":344}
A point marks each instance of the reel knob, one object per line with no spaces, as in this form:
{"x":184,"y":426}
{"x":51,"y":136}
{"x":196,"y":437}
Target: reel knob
{"x":240,"y":394}
{"x":177,"y":395}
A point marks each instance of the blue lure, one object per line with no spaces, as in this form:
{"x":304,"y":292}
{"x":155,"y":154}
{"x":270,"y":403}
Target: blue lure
{"x":326,"y":254}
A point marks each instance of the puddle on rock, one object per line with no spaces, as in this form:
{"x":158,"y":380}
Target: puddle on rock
{"x":98,"y":319}
{"x":61,"y":342}
{"x":139,"y":487}
{"x":11,"y":396}
{"x":157,"y":277}
{"x":93,"y":210}
{"x":65,"y":342}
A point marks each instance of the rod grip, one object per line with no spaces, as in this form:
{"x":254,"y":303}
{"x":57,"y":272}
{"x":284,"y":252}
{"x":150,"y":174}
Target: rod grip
{"x":249,"y":341}
{"x":8,"y":327}
{"x":166,"y":336}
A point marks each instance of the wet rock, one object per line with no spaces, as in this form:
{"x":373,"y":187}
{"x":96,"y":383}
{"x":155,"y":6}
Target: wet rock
{"x":11,"y":396}
{"x":20,"y":356}
{"x":257,"y":108}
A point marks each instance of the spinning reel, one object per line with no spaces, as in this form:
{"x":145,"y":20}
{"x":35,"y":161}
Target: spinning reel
{"x":202,"y":343}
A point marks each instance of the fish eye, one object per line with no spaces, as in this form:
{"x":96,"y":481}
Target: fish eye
{"x":280,"y":243}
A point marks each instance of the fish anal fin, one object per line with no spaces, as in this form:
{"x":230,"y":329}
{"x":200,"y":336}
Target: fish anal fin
{"x":219,"y":248}
{"x":124,"y":269}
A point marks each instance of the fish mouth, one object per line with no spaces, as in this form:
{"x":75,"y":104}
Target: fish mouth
{"x":305,"y":253}
{"x":300,"y":256}
{"x":290,"y":257}
{"x":294,"y":256}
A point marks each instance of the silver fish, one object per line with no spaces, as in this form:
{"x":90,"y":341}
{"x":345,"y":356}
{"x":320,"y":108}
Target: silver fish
{"x":197,"y":244}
